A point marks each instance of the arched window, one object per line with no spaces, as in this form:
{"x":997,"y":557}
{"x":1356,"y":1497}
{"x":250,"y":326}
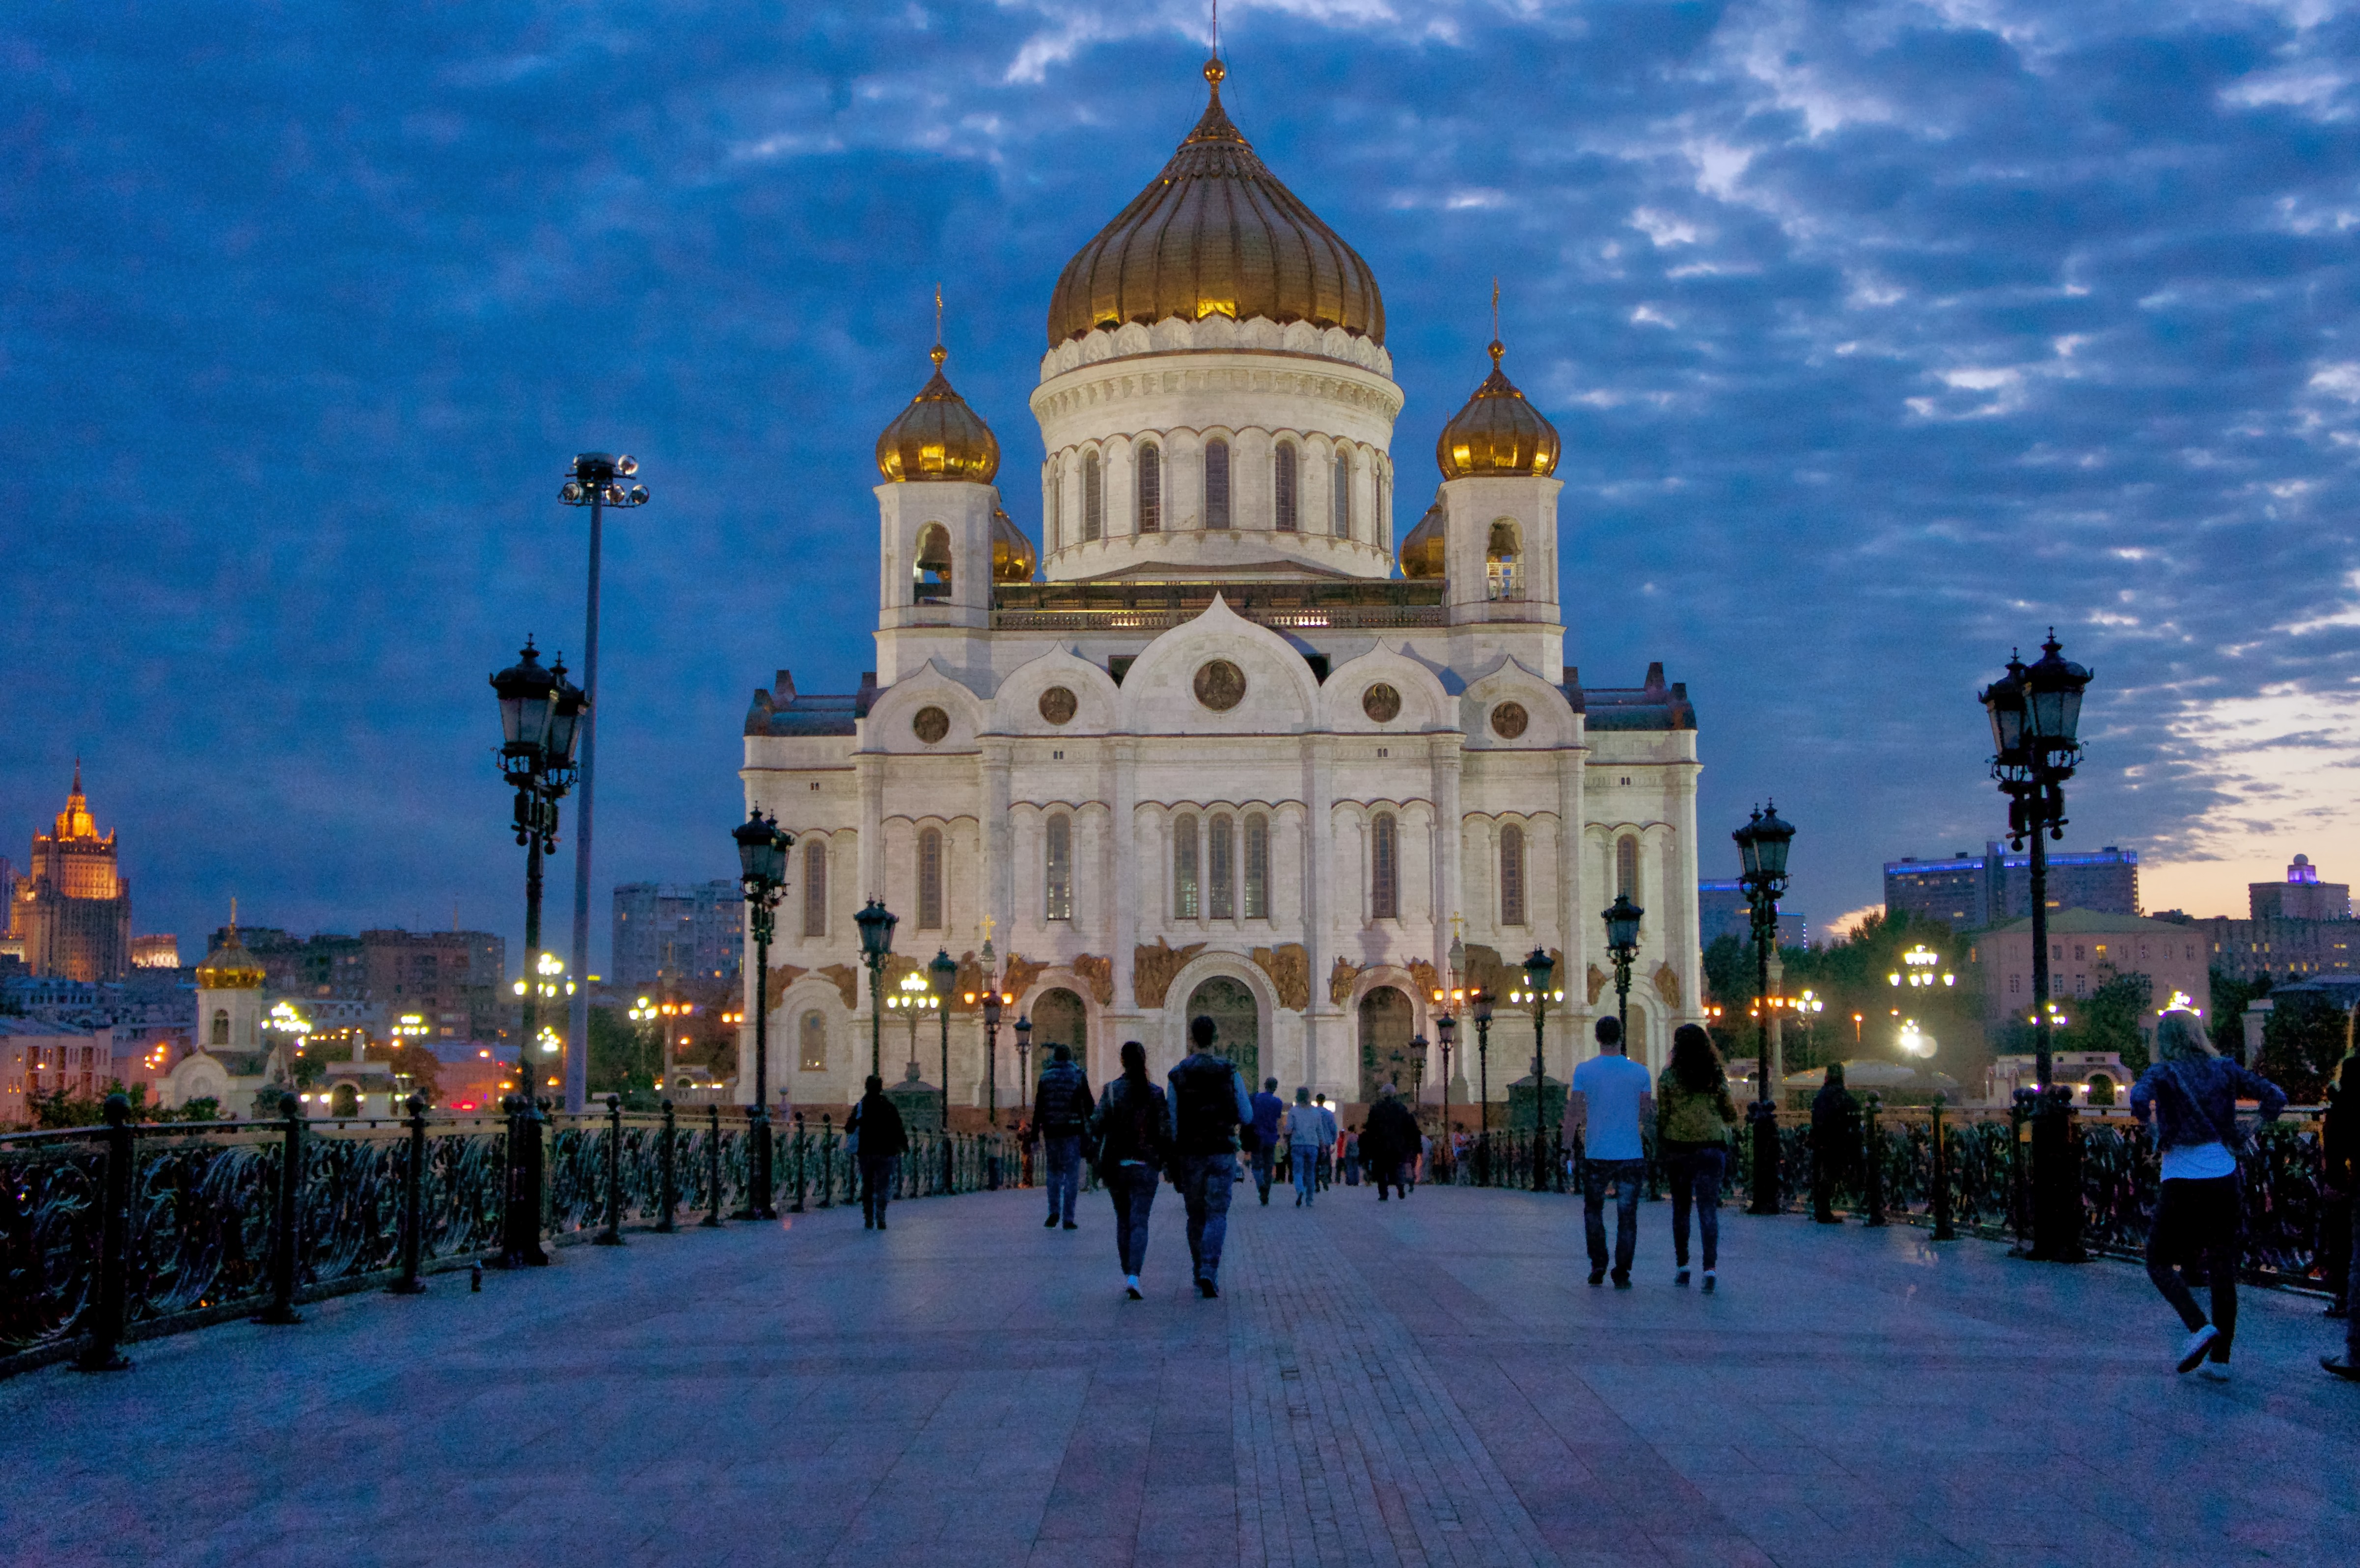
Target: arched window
{"x":1257,"y":867}
{"x":1512,"y":876}
{"x":1093,"y":497}
{"x":1340,"y":492}
{"x":810,"y":1044}
{"x":1626,"y":867}
{"x":1385,"y":511}
{"x":1052,"y":518}
{"x":1057,"y":866}
{"x":930,"y":880}
{"x":1217,"y":484}
{"x":1282,"y":487}
{"x":1221,"y":869}
{"x":220,"y":1026}
{"x":814,"y":888}
{"x":1184,"y":867}
{"x":1385,"y":868}
{"x":931,"y":569}
{"x":1502,"y":560}
{"x":1150,"y":489}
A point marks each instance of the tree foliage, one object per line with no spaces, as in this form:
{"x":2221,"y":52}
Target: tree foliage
{"x":1850,"y":977}
{"x":2301,"y":1044}
{"x":59,"y":1109}
{"x":2110,"y":1019}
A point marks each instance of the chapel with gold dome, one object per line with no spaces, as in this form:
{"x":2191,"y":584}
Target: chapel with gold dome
{"x":1209,"y":739}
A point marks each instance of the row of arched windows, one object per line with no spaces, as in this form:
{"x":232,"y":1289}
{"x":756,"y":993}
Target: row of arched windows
{"x":1148,"y":491}
{"x":1225,"y":879}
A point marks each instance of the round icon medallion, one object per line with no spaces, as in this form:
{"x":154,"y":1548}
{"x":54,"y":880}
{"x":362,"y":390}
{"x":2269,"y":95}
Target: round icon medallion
{"x":1220,"y":685}
{"x":1058,"y":705}
{"x":1509,"y":719}
{"x":1380,"y":702}
{"x":930,"y":725}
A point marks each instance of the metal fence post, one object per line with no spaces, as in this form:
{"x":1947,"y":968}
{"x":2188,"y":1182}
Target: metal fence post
{"x":826,"y":1159}
{"x":803,"y":1154}
{"x":413,"y":1204}
{"x":284,"y":1232}
{"x":103,"y":1320}
{"x":712,"y":1220}
{"x":668,"y":1173}
{"x":1943,"y":1230}
{"x":613,"y":1235}
{"x":1872,"y":1152}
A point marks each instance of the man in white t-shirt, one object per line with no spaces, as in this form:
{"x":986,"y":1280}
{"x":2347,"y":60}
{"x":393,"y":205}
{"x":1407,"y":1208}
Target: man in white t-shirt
{"x":1612,"y":1097}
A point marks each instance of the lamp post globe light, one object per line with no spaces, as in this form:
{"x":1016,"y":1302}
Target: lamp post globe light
{"x":1762,"y":846}
{"x":1537,"y":997}
{"x":597,"y":480}
{"x":994,"y":1003}
{"x":1622,"y":920}
{"x":876,"y":923}
{"x":762,"y":848}
{"x":2036,"y":719}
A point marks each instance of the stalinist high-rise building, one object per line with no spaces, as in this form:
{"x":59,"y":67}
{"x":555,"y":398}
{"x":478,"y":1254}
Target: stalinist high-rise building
{"x":1222,"y":745}
{"x":72,"y":909}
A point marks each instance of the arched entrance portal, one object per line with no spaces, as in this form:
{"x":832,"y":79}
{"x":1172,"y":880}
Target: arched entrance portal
{"x":1059,"y":1019}
{"x":1237,"y":1022}
{"x":1385,"y":1029}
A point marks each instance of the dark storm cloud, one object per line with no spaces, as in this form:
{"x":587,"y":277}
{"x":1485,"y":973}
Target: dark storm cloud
{"x":1881,"y":336}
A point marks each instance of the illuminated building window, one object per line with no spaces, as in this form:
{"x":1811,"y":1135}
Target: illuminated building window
{"x":1502,"y":560}
{"x":1150,"y":489}
{"x":1283,"y":486}
{"x":1512,"y":876}
{"x":1217,"y":484}
{"x":814,"y":888}
{"x":1257,"y":867}
{"x":812,"y":1042}
{"x":1057,"y":866}
{"x":1385,"y":868}
{"x":1184,"y":867}
{"x":1221,"y":869}
{"x":930,"y":880}
{"x":1093,"y":497}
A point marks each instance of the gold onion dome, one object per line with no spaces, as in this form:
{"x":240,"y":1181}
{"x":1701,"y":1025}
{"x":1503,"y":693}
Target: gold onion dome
{"x":1216,"y":234}
{"x":1497,"y":432}
{"x":231,"y":968}
{"x":1421,"y":552}
{"x":938,"y":437}
{"x":1012,"y":560}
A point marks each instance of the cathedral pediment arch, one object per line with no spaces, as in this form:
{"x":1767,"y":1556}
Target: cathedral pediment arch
{"x":927,"y":712}
{"x":1385,"y":692}
{"x":1511,"y":707}
{"x":1029,"y":701}
{"x":1220,"y":674}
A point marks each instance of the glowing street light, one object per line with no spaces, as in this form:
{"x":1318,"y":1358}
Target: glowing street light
{"x":1922,"y":969}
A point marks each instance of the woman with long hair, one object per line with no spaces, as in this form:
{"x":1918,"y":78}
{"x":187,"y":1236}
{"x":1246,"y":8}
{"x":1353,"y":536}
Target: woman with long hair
{"x":2192,"y":1097}
{"x":1693,"y":1115}
{"x":1130,"y":1137}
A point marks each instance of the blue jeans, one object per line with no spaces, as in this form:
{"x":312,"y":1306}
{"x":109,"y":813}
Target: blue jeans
{"x":1132,"y":1187}
{"x":1205,"y":1181}
{"x":1265,"y":1158}
{"x":1064,"y":1158}
{"x":1628,"y":1176}
{"x":1306,"y":1169}
{"x":1694,"y":1170}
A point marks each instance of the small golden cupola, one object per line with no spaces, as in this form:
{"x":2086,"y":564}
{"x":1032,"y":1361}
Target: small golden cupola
{"x":231,"y":968}
{"x":1497,"y":434}
{"x":938,"y":437}
{"x":1421,"y":552}
{"x":1012,"y":558}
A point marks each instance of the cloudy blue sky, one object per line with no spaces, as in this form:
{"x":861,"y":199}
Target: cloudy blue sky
{"x":1881,"y":335}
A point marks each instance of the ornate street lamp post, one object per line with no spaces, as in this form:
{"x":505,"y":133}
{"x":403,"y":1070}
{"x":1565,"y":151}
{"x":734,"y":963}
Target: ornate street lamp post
{"x":1023,"y":1063}
{"x":1762,"y":845}
{"x":876,"y":923}
{"x":994,"y":1000}
{"x":944,"y":971}
{"x":2035,"y":720}
{"x":540,"y":721}
{"x":1537,"y":996}
{"x":1622,"y":920}
{"x":595,"y":481}
{"x":914,"y":995}
{"x":762,"y":848}
{"x":1480,"y":1004}
{"x":1446,"y":1026}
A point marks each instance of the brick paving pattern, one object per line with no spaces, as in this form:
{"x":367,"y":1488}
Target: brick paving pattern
{"x":1428,"y":1382}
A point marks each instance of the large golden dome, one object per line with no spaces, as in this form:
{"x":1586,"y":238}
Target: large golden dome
{"x":1497,"y":432}
{"x":231,"y":968}
{"x":1216,"y":234}
{"x":938,"y":437}
{"x":1012,"y":560}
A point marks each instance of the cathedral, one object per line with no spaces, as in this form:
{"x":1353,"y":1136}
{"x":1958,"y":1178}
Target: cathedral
{"x":1206,"y":751}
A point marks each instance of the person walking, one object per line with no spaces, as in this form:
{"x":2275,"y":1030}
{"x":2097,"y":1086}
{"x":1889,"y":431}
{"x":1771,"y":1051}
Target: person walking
{"x":1208,"y":1107}
{"x":2191,"y":1096}
{"x":1269,"y":1112}
{"x":1310,"y":1131}
{"x":881,"y":1141}
{"x":1693,"y":1115}
{"x":2335,"y":1178}
{"x":2339,"y":1144}
{"x":1351,"y":1156}
{"x":1611,"y":1098}
{"x":1131,"y":1139}
{"x":1328,"y":1149}
{"x":1389,"y":1142}
{"x":1061,"y":1110}
{"x":1835,"y":1142}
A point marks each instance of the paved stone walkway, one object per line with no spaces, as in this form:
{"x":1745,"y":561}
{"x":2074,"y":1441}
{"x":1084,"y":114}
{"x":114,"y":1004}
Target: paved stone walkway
{"x":1428,"y":1382}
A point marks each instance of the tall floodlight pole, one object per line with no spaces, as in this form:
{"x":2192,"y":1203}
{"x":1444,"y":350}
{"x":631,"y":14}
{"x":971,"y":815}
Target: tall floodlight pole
{"x":762,"y":848}
{"x":2036,"y":721}
{"x":596,"y":480}
{"x":1762,"y":845}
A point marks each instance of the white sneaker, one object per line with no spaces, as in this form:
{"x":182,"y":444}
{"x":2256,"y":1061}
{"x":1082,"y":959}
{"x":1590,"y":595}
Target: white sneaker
{"x":2192,"y":1350}
{"x":2214,"y":1371}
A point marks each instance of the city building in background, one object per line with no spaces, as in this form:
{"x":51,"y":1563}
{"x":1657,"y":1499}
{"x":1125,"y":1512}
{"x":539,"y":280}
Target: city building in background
{"x":1971,"y":892}
{"x":160,"y":951}
{"x":1721,"y":911}
{"x":2302,"y":897}
{"x":71,"y":909}
{"x":38,"y":1057}
{"x":2086,"y":949}
{"x":453,"y":978}
{"x":681,"y":932}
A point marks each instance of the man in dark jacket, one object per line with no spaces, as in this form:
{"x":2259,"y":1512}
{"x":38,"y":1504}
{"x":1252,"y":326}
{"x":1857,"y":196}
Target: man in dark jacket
{"x":1268,"y":1110}
{"x":1061,"y":1109}
{"x":1208,"y":1106}
{"x":1835,"y":1143}
{"x":1389,"y":1141}
{"x":882,"y":1142}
